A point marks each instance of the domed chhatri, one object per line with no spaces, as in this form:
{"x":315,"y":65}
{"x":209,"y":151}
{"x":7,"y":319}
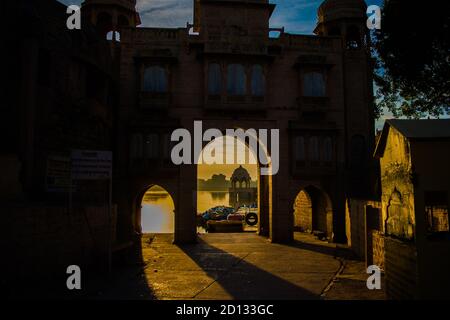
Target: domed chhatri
{"x":241,"y":192}
{"x":331,"y":10}
{"x":241,"y":176}
{"x":343,"y":18}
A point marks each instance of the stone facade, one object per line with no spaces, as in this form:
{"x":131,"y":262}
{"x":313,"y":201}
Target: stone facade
{"x":226,"y":71}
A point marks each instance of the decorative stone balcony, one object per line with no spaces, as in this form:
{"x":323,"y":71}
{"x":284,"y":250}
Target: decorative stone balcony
{"x":241,"y":103}
{"x":154,"y":101}
{"x":313,"y":104}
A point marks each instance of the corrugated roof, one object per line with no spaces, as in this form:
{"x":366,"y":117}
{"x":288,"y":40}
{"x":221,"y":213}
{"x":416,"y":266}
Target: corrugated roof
{"x":414,"y":129}
{"x":436,"y":128}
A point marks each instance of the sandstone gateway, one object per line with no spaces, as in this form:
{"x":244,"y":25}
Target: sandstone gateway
{"x":227,"y":71}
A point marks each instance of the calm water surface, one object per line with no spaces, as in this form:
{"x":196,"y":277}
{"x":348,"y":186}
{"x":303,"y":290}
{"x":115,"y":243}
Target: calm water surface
{"x":157,"y":209}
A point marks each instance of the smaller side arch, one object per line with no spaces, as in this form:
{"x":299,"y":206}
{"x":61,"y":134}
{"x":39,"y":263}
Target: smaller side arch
{"x":155,"y":211}
{"x":303,"y":212}
{"x":313,"y":211}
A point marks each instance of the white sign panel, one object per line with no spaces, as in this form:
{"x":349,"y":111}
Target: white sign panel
{"x":58,"y":173}
{"x":91,"y":165}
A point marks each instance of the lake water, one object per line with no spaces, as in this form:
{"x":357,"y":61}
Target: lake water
{"x":157,"y":209}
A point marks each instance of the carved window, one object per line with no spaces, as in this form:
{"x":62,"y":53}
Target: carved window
{"x":155,"y":79}
{"x":314,"y":84}
{"x":236,"y":80}
{"x":436,"y":209}
{"x":214,"y":79}
{"x":398,"y":223}
{"x":258,"y":81}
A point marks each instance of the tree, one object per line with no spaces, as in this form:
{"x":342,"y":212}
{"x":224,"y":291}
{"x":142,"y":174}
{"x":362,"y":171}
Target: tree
{"x":413,"y":58}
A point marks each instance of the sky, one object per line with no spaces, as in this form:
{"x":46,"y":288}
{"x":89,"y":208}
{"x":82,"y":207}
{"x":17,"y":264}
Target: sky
{"x":297,"y":16}
{"x":217,"y":150}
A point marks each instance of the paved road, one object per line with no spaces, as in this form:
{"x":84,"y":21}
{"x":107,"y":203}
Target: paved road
{"x":236,"y":266}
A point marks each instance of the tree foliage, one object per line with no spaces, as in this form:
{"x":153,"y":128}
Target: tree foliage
{"x":413,"y":58}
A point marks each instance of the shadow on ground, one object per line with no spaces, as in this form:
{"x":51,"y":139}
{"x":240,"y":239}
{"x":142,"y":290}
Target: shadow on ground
{"x":241,"y":280}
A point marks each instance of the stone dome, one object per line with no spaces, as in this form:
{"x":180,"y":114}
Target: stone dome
{"x":240,"y":174}
{"x":331,"y":10}
{"x":128,"y":4}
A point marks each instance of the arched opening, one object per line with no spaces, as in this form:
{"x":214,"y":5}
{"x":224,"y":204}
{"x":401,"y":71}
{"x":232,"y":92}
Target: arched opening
{"x":398,"y":222}
{"x":313,"y":212}
{"x":113,"y":36}
{"x":303,"y":212}
{"x":157,"y":213}
{"x":227,"y":187}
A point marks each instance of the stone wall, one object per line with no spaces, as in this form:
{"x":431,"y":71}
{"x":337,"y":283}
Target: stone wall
{"x":400,"y":269}
{"x":378,"y":249}
{"x":362,"y":218}
{"x":303,"y":213}
{"x":355,"y":226}
{"x":44,"y":240}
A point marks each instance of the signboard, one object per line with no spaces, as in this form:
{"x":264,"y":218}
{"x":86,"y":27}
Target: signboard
{"x":58,"y":173}
{"x":91,"y":165}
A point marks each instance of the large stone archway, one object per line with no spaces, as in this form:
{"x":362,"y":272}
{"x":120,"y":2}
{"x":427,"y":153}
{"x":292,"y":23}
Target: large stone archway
{"x":264,"y":188}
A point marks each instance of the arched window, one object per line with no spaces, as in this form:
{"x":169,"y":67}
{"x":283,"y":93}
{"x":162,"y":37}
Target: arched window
{"x":300,"y":149}
{"x":258,"y":81}
{"x":155,"y":79}
{"x":236,"y":80}
{"x":113,"y":36}
{"x":328,"y":149}
{"x":214,"y":79}
{"x":152,"y":146}
{"x":313,"y":84}
{"x":136,"y":146}
{"x":314,"y":154}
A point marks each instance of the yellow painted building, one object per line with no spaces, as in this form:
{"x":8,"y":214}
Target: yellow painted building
{"x":415,"y":179}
